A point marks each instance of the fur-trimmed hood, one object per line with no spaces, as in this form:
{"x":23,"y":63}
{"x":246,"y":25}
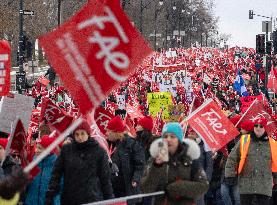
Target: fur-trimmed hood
{"x":188,"y":148}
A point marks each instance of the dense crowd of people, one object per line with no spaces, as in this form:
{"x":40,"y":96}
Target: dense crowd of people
{"x":155,"y":158}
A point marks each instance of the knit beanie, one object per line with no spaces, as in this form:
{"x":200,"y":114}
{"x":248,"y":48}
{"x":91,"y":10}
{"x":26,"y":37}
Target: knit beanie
{"x":83,"y":126}
{"x":261,"y":121}
{"x":45,"y":141}
{"x":3,"y":142}
{"x":175,"y":128}
{"x":146,"y":122}
{"x":247,"y":125}
{"x":116,"y":125}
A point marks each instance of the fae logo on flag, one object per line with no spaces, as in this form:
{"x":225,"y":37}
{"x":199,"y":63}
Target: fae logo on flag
{"x":95,"y":51}
{"x":54,"y":116}
{"x":212,"y":125}
{"x":5,"y":67}
{"x":102,"y":118}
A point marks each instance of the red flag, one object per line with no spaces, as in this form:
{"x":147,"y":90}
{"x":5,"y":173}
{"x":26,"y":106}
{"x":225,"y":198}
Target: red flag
{"x":102,"y":117}
{"x":95,"y":51}
{"x":257,"y":111}
{"x":212,"y":125}
{"x":158,"y":124}
{"x":5,"y":67}
{"x":54,"y":116}
{"x":248,"y":100}
{"x":272,"y":80}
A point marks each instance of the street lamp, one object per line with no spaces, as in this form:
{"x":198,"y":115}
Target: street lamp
{"x":156,"y":15}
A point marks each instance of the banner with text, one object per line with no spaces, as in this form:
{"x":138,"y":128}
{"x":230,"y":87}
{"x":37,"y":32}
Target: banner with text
{"x":5,"y":67}
{"x":212,"y":125}
{"x":158,"y":101}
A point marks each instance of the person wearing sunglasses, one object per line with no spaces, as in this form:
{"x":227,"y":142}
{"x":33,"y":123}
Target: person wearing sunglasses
{"x":254,"y":161}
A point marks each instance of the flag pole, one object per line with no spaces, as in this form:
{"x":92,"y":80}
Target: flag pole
{"x":246,"y":112}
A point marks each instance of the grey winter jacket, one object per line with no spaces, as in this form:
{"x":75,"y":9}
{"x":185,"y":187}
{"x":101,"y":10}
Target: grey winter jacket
{"x":256,"y":176}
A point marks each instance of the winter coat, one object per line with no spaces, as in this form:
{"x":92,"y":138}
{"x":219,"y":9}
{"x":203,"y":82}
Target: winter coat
{"x":8,"y":165}
{"x":129,"y":158}
{"x":86,"y":174}
{"x":256,"y":176}
{"x":36,"y":190}
{"x":182,"y":178}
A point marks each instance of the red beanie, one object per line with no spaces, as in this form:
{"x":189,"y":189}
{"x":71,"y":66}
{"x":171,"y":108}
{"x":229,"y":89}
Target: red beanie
{"x":3,"y":142}
{"x":83,"y":126}
{"x":261,"y":121}
{"x":116,"y":125}
{"x":45,"y":141}
{"x":247,"y":125}
{"x":146,"y":122}
{"x":235,"y":119}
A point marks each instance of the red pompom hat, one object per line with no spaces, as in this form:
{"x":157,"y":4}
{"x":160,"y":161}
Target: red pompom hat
{"x":45,"y":141}
{"x":116,"y":125}
{"x":83,"y":126}
{"x":146,"y":122}
{"x":247,"y":125}
{"x":3,"y":142}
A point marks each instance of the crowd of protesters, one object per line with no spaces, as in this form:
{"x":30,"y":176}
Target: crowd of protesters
{"x":80,"y":171}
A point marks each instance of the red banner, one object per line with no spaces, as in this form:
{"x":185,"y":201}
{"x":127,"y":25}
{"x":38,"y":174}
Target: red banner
{"x":272,"y":80}
{"x":212,"y":125}
{"x":54,"y":116}
{"x":19,"y":138}
{"x":5,"y":67}
{"x":248,"y":100}
{"x":95,"y":51}
{"x":102,"y":117}
{"x":258,"y":111}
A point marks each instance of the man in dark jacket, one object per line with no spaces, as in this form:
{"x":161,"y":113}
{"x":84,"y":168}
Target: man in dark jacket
{"x":84,"y":166}
{"x":128,"y":160}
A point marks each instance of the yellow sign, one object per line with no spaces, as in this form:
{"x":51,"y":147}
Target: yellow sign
{"x":158,"y":101}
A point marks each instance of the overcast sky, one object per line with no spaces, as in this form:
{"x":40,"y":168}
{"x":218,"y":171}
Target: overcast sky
{"x":233,"y":19}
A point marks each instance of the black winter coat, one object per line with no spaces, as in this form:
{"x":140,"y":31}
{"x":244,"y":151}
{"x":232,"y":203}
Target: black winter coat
{"x":8,"y":165}
{"x":86,"y":174}
{"x":130,"y":159}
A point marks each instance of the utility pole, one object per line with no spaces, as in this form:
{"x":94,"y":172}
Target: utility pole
{"x":20,"y":75}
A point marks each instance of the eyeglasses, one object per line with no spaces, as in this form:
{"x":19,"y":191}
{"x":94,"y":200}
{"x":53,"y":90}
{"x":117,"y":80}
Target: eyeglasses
{"x":15,"y":155}
{"x":259,"y":126}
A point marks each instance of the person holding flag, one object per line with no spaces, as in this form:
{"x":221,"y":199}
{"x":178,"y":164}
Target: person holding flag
{"x":253,"y":162}
{"x":84,"y":167}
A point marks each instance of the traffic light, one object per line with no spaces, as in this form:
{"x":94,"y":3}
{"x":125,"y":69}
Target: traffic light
{"x":251,"y":14}
{"x":268,"y":47}
{"x":260,"y":43}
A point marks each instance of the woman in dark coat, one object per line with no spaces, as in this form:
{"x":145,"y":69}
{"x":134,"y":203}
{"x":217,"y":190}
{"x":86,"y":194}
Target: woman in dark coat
{"x":84,"y":166}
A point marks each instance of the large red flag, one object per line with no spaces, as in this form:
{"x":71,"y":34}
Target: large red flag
{"x":95,"y":51}
{"x":212,"y":125}
{"x":256,"y":111}
{"x":5,"y":67}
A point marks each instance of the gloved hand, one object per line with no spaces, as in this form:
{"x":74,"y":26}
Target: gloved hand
{"x":13,"y":183}
{"x":231,"y":181}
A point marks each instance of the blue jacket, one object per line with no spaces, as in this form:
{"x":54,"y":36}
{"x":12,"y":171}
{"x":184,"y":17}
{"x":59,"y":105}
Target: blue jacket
{"x":36,"y":191}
